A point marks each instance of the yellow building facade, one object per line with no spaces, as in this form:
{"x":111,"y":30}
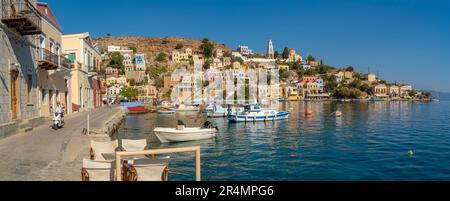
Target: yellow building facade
{"x":85,"y":59}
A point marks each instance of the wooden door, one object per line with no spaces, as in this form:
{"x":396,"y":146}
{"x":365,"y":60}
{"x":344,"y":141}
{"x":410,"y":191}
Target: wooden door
{"x":14,"y":94}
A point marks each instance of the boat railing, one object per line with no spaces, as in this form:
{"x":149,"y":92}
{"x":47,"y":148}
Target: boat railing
{"x":195,"y":150}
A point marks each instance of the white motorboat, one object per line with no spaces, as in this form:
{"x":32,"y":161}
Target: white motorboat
{"x":253,"y":113}
{"x":184,"y":134}
{"x":184,"y":108}
{"x":166,"y":112}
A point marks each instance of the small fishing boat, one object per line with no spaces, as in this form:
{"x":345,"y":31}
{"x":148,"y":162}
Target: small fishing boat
{"x":166,"y":111}
{"x":138,"y":110}
{"x":184,"y":108}
{"x":253,"y":113}
{"x":184,"y":134}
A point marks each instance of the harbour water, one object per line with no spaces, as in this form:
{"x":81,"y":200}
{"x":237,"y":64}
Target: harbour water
{"x":370,"y":142}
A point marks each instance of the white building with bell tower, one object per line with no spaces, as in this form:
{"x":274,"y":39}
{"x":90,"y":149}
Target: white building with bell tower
{"x":270,"y":51}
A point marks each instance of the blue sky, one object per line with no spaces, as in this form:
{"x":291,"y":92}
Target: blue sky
{"x":402,"y":40}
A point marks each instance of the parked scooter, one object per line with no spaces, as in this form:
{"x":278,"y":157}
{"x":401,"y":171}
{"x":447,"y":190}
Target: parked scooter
{"x":58,"y":119}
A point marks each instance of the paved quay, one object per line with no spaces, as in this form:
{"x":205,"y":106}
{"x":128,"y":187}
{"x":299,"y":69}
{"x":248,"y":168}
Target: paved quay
{"x":48,"y":155}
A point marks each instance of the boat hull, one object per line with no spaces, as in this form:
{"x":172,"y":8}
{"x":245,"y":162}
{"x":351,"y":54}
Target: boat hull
{"x":258,"y":118}
{"x":166,"y":112}
{"x":138,"y":110}
{"x":167,"y":136}
{"x":187,"y":110}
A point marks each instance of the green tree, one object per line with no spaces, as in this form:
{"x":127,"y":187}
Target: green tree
{"x":161,"y":57}
{"x":238,"y":59}
{"x":297,"y":66}
{"x":133,"y":48}
{"x":382,"y":82}
{"x":365,"y":88}
{"x":412,"y":93}
{"x":330,"y":82}
{"x":206,"y":65}
{"x":156,"y":71}
{"x":311,"y":72}
{"x":247,"y":90}
{"x":284,"y":74}
{"x":207,"y":48}
{"x":427,"y":95}
{"x":285,"y":54}
{"x":130,"y":93}
{"x":350,"y":68}
{"x":311,"y":58}
{"x":276,"y":54}
{"x":322,"y":69}
{"x":116,"y":61}
{"x":132,"y":82}
{"x":345,"y":92}
{"x":356,"y":83}
{"x":205,"y":83}
{"x":108,"y":35}
{"x":179,"y":46}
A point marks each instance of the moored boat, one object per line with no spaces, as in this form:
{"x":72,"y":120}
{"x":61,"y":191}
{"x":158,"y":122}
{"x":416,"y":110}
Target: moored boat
{"x":184,"y":108}
{"x":138,"y":110}
{"x":183,"y":134}
{"x":253,"y":113}
{"x":165,"y":111}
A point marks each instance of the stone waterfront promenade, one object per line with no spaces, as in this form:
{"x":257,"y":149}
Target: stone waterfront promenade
{"x":48,"y":155}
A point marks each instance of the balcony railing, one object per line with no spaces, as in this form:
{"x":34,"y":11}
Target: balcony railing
{"x":47,"y":60}
{"x":22,"y":16}
{"x":64,"y":62}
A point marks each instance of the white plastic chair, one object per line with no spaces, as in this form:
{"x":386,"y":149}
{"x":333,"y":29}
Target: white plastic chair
{"x":98,"y":170}
{"x":134,"y":145}
{"x":99,"y":148}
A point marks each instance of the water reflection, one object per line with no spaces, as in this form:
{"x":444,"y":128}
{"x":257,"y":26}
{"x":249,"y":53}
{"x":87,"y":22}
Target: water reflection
{"x":368,"y":142}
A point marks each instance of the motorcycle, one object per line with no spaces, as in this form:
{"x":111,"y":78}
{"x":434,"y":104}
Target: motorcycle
{"x":58,"y":121}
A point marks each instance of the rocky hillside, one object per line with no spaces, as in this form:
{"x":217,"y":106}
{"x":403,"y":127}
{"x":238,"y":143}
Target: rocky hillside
{"x":153,"y":46}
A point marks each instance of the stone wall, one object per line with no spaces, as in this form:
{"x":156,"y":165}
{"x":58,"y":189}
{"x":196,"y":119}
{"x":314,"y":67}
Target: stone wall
{"x":20,"y":50}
